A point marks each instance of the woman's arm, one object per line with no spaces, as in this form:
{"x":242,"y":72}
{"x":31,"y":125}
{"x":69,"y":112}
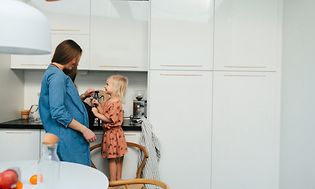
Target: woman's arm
{"x":86,"y":132}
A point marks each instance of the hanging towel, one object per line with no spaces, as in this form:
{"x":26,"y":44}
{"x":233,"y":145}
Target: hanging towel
{"x":152,"y":144}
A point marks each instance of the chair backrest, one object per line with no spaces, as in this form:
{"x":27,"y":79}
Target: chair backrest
{"x":130,"y":182}
{"x":136,"y":146}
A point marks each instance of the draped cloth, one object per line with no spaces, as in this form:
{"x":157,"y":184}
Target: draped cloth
{"x":152,"y":144}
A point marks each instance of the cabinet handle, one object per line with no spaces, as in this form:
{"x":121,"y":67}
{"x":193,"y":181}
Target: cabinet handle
{"x":130,"y":134}
{"x":103,"y":66}
{"x":18,"y":132}
{"x":182,"y":66}
{"x":244,"y":75}
{"x":63,"y":30}
{"x":182,"y":75}
{"x":34,"y":65}
{"x":245,"y":66}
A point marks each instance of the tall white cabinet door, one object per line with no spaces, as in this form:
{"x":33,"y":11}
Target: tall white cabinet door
{"x":245,"y":140}
{"x":247,"y":35}
{"x":119,"y":35}
{"x":19,"y":144}
{"x":181,"y":34}
{"x":180,"y":112}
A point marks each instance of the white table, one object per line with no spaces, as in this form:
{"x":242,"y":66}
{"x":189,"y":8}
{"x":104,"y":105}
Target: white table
{"x":72,"y":175}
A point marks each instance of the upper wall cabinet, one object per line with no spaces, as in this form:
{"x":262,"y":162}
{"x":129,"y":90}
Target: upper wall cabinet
{"x":119,"y":35}
{"x":247,"y":35}
{"x":68,"y":16}
{"x":68,"y":20}
{"x":181,"y":35}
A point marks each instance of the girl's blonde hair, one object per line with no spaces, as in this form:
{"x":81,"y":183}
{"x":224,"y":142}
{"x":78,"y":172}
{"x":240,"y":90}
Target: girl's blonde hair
{"x":120,"y":84}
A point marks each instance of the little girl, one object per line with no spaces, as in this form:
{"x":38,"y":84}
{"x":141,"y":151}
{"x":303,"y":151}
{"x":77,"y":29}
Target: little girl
{"x":114,"y":145}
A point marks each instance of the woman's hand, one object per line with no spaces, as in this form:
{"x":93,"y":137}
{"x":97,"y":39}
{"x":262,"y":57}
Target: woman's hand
{"x":88,"y":135}
{"x":86,"y":132}
{"x":87,"y":93}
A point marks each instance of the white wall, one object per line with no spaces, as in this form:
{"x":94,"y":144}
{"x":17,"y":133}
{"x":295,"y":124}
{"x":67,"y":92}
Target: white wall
{"x":12,"y":93}
{"x":297,"y":163}
{"x":137,"y":81}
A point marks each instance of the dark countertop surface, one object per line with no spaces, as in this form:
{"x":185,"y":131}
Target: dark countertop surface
{"x":27,"y":124}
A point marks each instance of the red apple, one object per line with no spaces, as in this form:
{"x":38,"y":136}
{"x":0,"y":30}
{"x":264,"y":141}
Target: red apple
{"x":8,"y":179}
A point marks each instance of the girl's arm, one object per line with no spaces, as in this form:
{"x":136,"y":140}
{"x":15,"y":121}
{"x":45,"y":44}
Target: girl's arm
{"x":100,"y":109}
{"x":100,"y":116}
{"x":98,"y":106}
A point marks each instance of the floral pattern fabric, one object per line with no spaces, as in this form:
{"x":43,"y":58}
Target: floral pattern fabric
{"x":114,"y":142}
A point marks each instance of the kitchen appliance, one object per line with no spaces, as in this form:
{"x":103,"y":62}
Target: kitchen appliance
{"x":97,"y":97}
{"x":139,"y":110}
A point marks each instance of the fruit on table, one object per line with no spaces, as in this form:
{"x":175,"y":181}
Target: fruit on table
{"x":33,"y":179}
{"x":19,"y":185}
{"x":8,"y":179}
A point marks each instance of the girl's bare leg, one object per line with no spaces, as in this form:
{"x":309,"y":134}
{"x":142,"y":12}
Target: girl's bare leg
{"x":119,"y":163}
{"x":112,"y":169}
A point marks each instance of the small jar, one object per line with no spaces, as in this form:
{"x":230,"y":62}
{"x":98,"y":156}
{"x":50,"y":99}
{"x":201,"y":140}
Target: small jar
{"x":25,"y":114}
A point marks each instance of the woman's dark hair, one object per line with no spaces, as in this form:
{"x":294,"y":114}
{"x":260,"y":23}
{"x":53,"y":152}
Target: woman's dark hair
{"x":66,"y":51}
{"x":71,"y":73}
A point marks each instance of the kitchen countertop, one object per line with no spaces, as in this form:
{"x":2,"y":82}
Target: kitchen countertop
{"x":27,"y":124}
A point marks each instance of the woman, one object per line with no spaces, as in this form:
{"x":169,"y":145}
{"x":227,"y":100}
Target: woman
{"x":61,"y":109}
{"x":87,"y":94}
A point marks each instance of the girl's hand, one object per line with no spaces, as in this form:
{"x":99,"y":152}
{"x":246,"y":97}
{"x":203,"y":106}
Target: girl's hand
{"x":95,"y":102}
{"x":95,"y":110}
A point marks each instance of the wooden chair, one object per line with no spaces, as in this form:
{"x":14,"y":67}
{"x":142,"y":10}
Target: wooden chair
{"x":130,"y":145}
{"x":135,"y":183}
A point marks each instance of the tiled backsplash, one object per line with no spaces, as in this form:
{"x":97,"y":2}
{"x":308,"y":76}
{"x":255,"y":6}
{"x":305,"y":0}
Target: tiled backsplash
{"x":86,"y":79}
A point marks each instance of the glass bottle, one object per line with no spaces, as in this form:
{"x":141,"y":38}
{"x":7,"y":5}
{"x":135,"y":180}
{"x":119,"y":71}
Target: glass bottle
{"x":49,"y":163}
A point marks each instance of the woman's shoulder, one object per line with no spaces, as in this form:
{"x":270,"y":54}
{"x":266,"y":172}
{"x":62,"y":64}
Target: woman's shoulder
{"x":53,"y":70}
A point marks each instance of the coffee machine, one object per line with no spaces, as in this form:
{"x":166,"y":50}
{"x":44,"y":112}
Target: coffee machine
{"x":139,"y":110}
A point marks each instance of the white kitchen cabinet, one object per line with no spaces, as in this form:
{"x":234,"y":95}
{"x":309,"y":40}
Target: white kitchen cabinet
{"x":71,"y":16}
{"x":67,"y":22}
{"x":181,"y":34}
{"x":42,"y":61}
{"x":180,"y":112}
{"x":130,"y":164}
{"x":19,"y":144}
{"x":119,"y":35}
{"x":130,"y":159}
{"x":247,"y":35}
{"x":245,"y":135}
